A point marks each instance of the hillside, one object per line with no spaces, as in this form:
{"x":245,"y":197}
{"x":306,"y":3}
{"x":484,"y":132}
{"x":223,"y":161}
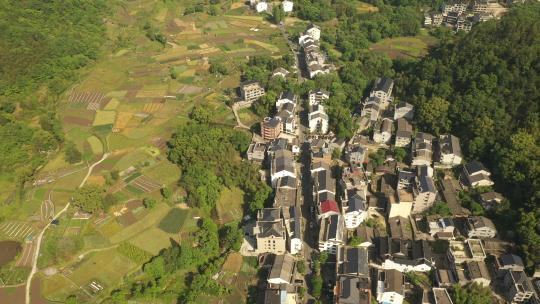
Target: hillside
{"x":484,"y":87}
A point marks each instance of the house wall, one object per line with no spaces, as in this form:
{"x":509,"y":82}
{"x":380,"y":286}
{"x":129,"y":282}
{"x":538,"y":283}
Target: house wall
{"x":389,"y":264}
{"x":271,"y":245}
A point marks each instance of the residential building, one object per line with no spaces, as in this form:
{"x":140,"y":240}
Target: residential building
{"x":366,"y":235}
{"x":284,"y":98}
{"x":327,"y":207}
{"x":331,"y":234}
{"x":314,"y":31}
{"x":261,"y":7}
{"x":449,"y":151}
{"x":251,"y":90}
{"x":353,"y":261}
{"x":287,"y":6}
{"x":287,"y":117}
{"x":455,"y":7}
{"x":355,"y":155}
{"x":383,"y":131}
{"x":282,"y":165}
{"x":280,"y":72}
{"x":270,"y":232}
{"x":445,"y":278}
{"x":318,"y":119}
{"x":517,"y":286}
{"x":478,"y":273}
{"x":281,"y":294}
{"x":480,"y":227}
{"x":477,"y":175}
{"x":352,"y":290}
{"x":491,"y":199}
{"x":256,"y":152}
{"x":276,"y":145}
{"x":403,"y":110}
{"x":383,"y":89}
{"x":390,"y":287}
{"x":282,"y":271}
{"x":271,"y":127}
{"x":406,"y":255}
{"x":371,"y":111}
{"x":293,"y":227}
{"x":400,"y":228}
{"x":318,"y":96}
{"x":442,"y":228}
{"x":427,"y":19}
{"x":355,"y":209}
{"x":422,"y":149}
{"x":468,"y":250}
{"x":403,"y":133}
{"x":441,"y":296}
{"x":323,"y":181}
{"x":511,"y":262}
{"x":437,"y":19}
{"x":424,"y":192}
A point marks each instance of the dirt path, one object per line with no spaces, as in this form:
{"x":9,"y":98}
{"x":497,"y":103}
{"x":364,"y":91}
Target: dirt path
{"x":239,"y":123}
{"x":40,"y":236}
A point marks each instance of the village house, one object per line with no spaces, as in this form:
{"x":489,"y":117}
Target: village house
{"x":445,"y":278}
{"x":352,"y":290}
{"x":424,"y":190}
{"x":366,"y":235}
{"x":383,"y":89}
{"x":318,"y":96}
{"x":390,"y":287}
{"x":256,"y":152}
{"x":441,"y":296}
{"x":355,"y":209}
{"x":400,"y":228}
{"x":282,"y":165}
{"x":269,"y":231}
{"x":517,"y":286}
{"x":480,"y":227}
{"x":406,"y":255}
{"x":491,"y":199}
{"x":442,"y":228}
{"x":286,"y":97}
{"x":403,"y":133}
{"x":282,"y":271}
{"x":287,"y":117}
{"x":383,"y":131}
{"x":353,"y":261}
{"x":454,"y":6}
{"x":422,"y":149}
{"x":449,"y":151}
{"x":477,"y":175}
{"x":463,"y":251}
{"x":280,"y":72}
{"x":251,"y":91}
{"x":276,"y":145}
{"x":403,"y":110}
{"x":477,"y":272}
{"x":271,"y":128}
{"x":318,"y":119}
{"x":511,"y":262}
{"x":314,"y":31}
{"x":287,"y":6}
{"x":331,"y":234}
{"x":293,"y":228}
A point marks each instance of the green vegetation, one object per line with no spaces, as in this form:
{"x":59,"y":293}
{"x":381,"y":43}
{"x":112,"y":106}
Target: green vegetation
{"x":174,"y":220}
{"x":440,"y":208}
{"x":40,"y":60}
{"x":134,"y":253}
{"x":486,"y":101}
{"x":88,"y":198}
{"x":472,"y":293}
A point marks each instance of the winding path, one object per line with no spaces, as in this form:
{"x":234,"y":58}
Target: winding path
{"x":40,"y":236}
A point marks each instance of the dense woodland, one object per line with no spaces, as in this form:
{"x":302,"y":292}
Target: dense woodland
{"x":42,"y":46}
{"x":481,"y":86}
{"x":485,"y":88}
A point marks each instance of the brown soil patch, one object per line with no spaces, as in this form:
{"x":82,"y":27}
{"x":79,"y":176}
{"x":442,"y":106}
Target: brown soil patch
{"x":127,"y":219}
{"x":8,"y":251}
{"x":77,"y":121}
{"x":17,"y":295}
{"x":233,"y":263}
{"x":134,"y":204}
{"x":190,"y":90}
{"x":96,"y":180}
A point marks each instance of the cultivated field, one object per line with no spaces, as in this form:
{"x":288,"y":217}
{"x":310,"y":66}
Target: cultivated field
{"x":407,"y":47}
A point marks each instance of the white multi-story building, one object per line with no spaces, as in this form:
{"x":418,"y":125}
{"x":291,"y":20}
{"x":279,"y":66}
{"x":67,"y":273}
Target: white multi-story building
{"x":383,"y":131}
{"x":355,"y":210}
{"x":314,"y":31}
{"x":318,"y":96}
{"x":287,"y":6}
{"x":318,"y":119}
{"x":331,"y":234}
{"x":449,"y":151}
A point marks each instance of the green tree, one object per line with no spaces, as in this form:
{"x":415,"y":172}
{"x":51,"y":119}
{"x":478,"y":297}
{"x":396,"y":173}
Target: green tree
{"x":399,"y":154}
{"x":88,"y":198}
{"x":149,"y":203}
{"x":472,"y":293}
{"x":231,"y":236}
{"x":277,"y":14}
{"x":166,"y":192}
{"x":72,"y":154}
{"x":316,"y":286}
{"x":433,"y":115}
{"x":201,"y":114}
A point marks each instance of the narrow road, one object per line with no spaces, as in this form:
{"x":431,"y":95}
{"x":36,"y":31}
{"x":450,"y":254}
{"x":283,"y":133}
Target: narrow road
{"x":239,"y":123}
{"x":40,"y":236}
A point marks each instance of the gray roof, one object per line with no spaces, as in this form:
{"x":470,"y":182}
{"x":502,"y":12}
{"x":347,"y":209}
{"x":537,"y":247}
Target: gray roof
{"x":325,"y":182}
{"x":287,"y":95}
{"x":296,"y":214}
{"x":426,"y":184}
{"x":477,"y":270}
{"x":426,"y":137}
{"x":277,"y":144}
{"x":271,"y":122}
{"x":450,"y":145}
{"x":511,"y":260}
{"x":319,"y":115}
{"x":481,"y":222}
{"x":267,"y":229}
{"x":325,"y":196}
{"x":394,"y":281}
{"x":355,"y":261}
{"x":356,"y":203}
{"x":475,"y":167}
{"x":287,"y":182}
{"x":383,"y":84}
{"x":283,"y":161}
{"x":404,"y":126}
{"x":282,"y":268}
{"x":269,"y":215}
{"x":311,"y":25}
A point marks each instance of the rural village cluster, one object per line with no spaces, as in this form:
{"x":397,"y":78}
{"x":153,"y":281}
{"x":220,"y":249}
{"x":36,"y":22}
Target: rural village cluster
{"x":368,"y":220}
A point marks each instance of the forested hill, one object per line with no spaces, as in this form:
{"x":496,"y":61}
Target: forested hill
{"x":42,"y":46}
{"x":485,"y":88}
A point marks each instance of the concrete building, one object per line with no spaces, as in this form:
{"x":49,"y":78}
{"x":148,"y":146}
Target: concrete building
{"x":517,"y":286}
{"x":251,"y":90}
{"x":286,"y":97}
{"x":256,"y":152}
{"x":480,"y":227}
{"x":390,"y":287}
{"x":403,"y":133}
{"x":271,"y":128}
{"x":403,"y":110}
{"x":383,"y":131}
{"x":383,"y":89}
{"x":424,"y":192}
{"x":270,"y":232}
{"x":318,"y":96}
{"x":352,"y":290}
{"x":318,"y":120}
{"x":477,"y":175}
{"x":477,"y":272}
{"x":422,"y":149}
{"x":355,"y":210}
{"x":287,"y":6}
{"x":511,"y":262}
{"x":282,"y":271}
{"x":406,"y":255}
{"x":468,"y":250}
{"x":314,"y":31}
{"x":331,"y":234}
{"x":449,"y":151}
{"x":282,"y":165}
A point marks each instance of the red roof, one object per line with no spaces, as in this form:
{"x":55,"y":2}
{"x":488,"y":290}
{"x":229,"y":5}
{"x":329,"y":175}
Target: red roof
{"x":329,"y":206}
